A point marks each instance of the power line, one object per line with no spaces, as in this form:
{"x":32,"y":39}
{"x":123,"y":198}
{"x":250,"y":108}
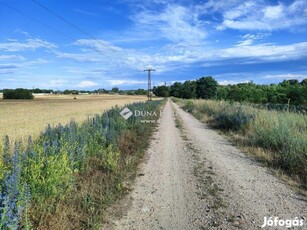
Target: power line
{"x":37,"y":21}
{"x":59,"y":32}
{"x":69,"y":23}
{"x":79,"y":29}
{"x":73,"y":39}
{"x":149,"y":83}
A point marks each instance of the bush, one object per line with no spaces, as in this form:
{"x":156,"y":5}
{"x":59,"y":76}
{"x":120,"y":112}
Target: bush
{"x":232,"y":118}
{"x":189,"y":106}
{"x":17,"y":94}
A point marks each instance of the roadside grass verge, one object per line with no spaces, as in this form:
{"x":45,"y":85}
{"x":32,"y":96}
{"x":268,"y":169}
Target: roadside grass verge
{"x":277,"y":138}
{"x":67,"y":177}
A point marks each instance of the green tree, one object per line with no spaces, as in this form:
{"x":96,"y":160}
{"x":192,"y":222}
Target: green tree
{"x":161,"y":91}
{"x":141,"y":92}
{"x":176,"y":89}
{"x":188,"y":90}
{"x":115,"y":90}
{"x":17,"y":94}
{"x":206,"y":88}
{"x":304,"y":82}
{"x":222,"y":92}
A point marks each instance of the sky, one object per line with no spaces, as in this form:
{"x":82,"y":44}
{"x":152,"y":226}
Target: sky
{"x":92,"y":44}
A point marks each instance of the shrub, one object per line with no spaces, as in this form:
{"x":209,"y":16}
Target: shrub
{"x":110,"y":158}
{"x":188,"y":106}
{"x":17,"y":94}
{"x":232,"y":118}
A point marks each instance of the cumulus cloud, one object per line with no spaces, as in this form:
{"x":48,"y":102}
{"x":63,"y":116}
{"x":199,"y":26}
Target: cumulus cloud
{"x":256,"y":15}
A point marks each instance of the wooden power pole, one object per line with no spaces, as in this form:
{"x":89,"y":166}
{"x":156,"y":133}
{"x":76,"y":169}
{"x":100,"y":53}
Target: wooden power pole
{"x":149,"y":83}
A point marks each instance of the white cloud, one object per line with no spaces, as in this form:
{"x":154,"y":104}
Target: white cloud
{"x":24,"y":33}
{"x":285,"y":76}
{"x":256,"y":15}
{"x":99,"y":45}
{"x":239,"y":11}
{"x":217,"y":5}
{"x":13,"y":57}
{"x":231,"y":82}
{"x":14,"y":67}
{"x":245,"y":42}
{"x":175,"y":23}
{"x":85,"y":84}
{"x":28,"y":44}
{"x":267,"y":52}
{"x":180,"y":56}
{"x":248,"y":54}
{"x":99,"y":51}
{"x":249,"y":39}
{"x":80,"y":57}
{"x":117,"y":82}
{"x":274,"y":12}
{"x":86,"y":72}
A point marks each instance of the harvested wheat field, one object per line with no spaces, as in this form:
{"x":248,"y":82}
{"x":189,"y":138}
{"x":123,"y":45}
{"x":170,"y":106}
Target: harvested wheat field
{"x":21,"y":118}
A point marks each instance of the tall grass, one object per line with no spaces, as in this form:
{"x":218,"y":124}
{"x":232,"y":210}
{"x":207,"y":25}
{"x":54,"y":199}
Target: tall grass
{"x":67,"y":177}
{"x":282,"y":134}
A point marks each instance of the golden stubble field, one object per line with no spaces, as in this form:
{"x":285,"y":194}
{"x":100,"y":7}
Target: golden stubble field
{"x":21,"y":118}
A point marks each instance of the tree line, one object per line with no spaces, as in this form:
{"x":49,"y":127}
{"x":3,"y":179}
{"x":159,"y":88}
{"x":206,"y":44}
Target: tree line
{"x":21,"y":93}
{"x":286,"y":92}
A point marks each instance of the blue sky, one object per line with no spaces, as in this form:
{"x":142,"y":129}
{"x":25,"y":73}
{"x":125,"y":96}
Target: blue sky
{"x":115,"y":40}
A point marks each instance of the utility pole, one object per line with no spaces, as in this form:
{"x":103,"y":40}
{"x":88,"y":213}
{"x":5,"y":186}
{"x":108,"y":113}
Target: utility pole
{"x":149,"y":82}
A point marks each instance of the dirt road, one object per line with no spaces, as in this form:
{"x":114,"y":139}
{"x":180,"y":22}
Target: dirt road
{"x":195,"y":179}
